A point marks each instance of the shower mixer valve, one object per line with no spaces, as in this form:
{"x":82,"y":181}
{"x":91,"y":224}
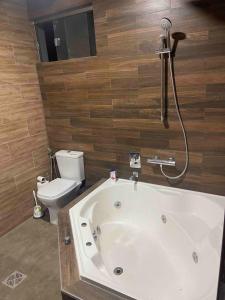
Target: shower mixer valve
{"x":163,"y":162}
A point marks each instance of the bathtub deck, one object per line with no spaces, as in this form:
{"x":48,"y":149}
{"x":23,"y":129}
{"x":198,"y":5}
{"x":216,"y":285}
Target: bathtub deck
{"x":72,"y":286}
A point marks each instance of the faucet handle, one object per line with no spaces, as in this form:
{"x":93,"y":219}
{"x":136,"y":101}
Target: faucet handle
{"x":135,"y":160}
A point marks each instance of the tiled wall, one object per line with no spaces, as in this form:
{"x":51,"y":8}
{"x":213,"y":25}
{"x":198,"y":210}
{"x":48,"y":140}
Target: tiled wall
{"x":23,"y":141}
{"x":110,"y":104}
{"x":42,"y":8}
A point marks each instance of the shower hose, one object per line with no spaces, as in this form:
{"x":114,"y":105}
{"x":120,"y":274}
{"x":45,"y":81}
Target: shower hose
{"x":181,"y":123}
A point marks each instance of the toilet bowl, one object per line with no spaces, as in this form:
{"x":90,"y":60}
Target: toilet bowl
{"x":57,"y":194}
{"x":60,"y":191}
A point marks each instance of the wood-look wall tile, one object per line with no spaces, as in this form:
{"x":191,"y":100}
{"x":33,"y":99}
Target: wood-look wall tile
{"x":22,"y":132}
{"x":36,"y":125}
{"x":91,"y":123}
{"x":112,"y":101}
{"x":26,"y":145}
{"x":40,"y":157}
{"x":43,"y":8}
{"x":13,"y":130}
{"x":101,"y":111}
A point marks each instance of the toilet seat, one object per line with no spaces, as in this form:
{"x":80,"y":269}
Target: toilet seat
{"x":56,"y":188}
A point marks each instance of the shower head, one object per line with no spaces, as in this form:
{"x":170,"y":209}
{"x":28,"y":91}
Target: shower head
{"x":166,"y":24}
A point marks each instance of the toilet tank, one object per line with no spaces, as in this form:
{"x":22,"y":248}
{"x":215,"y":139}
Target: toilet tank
{"x":71,"y":164}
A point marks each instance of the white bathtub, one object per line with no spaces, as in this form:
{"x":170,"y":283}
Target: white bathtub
{"x":166,"y":241}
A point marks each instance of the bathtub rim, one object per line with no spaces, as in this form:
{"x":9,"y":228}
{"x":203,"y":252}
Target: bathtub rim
{"x":72,"y":284}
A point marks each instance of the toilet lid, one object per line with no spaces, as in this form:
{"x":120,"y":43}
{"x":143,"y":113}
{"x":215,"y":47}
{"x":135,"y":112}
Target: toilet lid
{"x":56,"y":188}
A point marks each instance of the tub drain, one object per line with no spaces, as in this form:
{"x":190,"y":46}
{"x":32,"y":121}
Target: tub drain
{"x":118,"y":271}
{"x":117,"y":204}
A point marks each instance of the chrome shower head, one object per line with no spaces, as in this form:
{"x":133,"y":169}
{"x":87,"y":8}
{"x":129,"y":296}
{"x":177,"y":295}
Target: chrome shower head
{"x":166,"y":24}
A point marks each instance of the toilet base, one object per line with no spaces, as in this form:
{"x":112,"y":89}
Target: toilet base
{"x":53,"y":214}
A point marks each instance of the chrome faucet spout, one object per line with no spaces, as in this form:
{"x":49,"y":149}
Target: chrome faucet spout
{"x":134,"y":176}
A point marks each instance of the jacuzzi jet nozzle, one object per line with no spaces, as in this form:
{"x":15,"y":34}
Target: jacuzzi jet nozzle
{"x":118,"y":271}
{"x":195,"y":257}
{"x":117,"y":204}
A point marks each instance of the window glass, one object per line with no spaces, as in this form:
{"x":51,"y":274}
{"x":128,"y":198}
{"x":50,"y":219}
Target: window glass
{"x":67,"y":37}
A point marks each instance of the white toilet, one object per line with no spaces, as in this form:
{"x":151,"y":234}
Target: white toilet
{"x":60,"y":191}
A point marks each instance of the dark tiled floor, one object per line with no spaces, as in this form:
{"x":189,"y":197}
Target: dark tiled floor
{"x":32,"y":249}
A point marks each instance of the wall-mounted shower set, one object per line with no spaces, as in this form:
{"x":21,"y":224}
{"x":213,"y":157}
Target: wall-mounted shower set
{"x":165,"y":55}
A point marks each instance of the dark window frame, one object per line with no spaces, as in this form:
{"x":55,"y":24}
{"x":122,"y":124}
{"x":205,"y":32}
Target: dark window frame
{"x":43,"y":47}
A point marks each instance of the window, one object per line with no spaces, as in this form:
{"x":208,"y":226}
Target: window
{"x":66,"y":37}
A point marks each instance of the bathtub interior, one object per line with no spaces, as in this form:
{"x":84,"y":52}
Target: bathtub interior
{"x":160,"y":237}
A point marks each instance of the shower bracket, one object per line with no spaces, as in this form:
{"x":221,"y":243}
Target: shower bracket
{"x":163,"y":51}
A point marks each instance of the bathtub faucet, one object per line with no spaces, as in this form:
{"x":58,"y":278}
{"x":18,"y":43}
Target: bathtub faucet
{"x":134,"y":176}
